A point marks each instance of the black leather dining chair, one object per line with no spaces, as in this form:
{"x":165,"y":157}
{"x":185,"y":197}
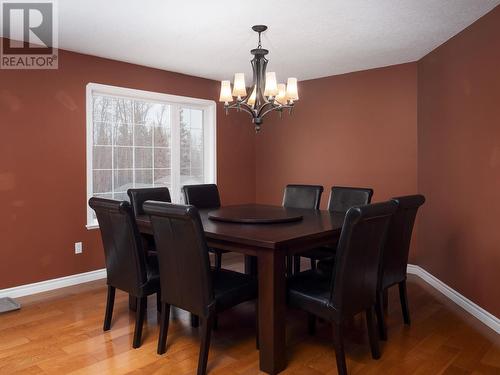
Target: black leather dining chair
{"x":204,"y":196}
{"x":301,"y":196}
{"x":352,"y":288}
{"x":187,"y":281}
{"x":137,"y":198}
{"x":341,"y":199}
{"x":395,"y":256}
{"x":140,"y":195}
{"x":127,"y":265}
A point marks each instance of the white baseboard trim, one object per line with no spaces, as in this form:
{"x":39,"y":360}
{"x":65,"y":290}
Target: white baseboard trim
{"x":478,"y":312}
{"x":44,"y":286}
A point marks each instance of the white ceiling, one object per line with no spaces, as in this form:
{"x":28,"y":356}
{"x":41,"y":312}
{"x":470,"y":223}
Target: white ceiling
{"x":306,"y":39}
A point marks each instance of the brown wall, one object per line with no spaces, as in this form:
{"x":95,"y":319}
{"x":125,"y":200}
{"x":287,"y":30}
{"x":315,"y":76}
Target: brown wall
{"x":356,"y":129}
{"x":459,"y":162}
{"x":42,"y":161}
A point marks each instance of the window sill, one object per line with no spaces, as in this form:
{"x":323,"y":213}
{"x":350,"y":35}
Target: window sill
{"x":92,"y":226}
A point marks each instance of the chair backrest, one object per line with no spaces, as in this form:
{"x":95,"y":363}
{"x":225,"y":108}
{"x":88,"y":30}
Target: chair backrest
{"x":358,"y":257}
{"x":202,"y":196}
{"x":139,"y":196}
{"x":397,"y":247}
{"x":343,"y":197}
{"x":123,"y":252}
{"x":302,"y":196}
{"x":182,"y":256}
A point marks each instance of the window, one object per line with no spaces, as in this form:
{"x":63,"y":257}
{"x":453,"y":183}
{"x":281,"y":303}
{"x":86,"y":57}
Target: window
{"x":144,"y":139}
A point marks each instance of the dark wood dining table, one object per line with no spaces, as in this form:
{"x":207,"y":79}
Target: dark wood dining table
{"x":270,"y":243}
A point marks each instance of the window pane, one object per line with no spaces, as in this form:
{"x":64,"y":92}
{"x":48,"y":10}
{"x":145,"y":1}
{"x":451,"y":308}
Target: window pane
{"x":185,"y":157}
{"x":102,"y":156}
{"x":121,"y":196}
{"x":122,"y":157}
{"x":123,"y":111}
{"x":188,"y":179}
{"x":103,"y":109}
{"x":191,"y":147}
{"x":162,"y":177}
{"x":143,"y":157}
{"x":162,"y":136}
{"x":158,"y":115}
{"x":105,"y":196}
{"x":103,"y":133}
{"x":143,"y":178}
{"x":101,"y":181}
{"x":141,"y":110}
{"x":143,"y":135}
{"x":123,"y":134}
{"x":196,"y":119}
{"x":123,"y":180}
{"x":196,"y":138}
{"x":162,"y":157}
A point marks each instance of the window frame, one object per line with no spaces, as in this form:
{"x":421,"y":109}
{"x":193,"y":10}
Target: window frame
{"x":176,"y":102}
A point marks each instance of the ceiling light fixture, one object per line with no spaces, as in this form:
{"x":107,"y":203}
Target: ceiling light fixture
{"x":266,"y":94}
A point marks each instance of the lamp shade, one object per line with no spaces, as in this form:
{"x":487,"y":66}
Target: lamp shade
{"x":225,"y":92}
{"x":251,"y":99}
{"x":239,"y":87}
{"x":281,"y":97}
{"x":271,"y":88}
{"x":291,"y":89}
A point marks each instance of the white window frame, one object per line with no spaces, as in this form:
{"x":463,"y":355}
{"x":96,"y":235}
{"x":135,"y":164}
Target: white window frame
{"x":176,"y":102}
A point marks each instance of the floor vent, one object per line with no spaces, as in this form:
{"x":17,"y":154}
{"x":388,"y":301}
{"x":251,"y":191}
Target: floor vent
{"x":8,"y":304}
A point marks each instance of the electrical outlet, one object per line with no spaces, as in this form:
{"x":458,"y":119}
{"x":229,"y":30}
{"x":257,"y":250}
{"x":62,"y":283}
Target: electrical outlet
{"x":78,"y":248}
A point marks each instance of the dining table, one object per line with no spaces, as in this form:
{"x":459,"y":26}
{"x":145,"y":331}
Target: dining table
{"x":267,"y":234}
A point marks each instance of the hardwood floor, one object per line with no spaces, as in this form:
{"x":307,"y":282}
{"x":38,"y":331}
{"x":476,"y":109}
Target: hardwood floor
{"x":60,"y":332}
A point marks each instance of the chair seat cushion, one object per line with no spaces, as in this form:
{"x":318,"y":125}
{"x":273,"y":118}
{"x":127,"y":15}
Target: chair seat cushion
{"x":232,"y":288}
{"x":310,"y":291}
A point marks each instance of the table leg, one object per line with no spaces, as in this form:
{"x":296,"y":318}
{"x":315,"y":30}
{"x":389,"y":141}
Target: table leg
{"x":272,"y":311}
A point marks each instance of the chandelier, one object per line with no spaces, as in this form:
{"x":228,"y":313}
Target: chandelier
{"x":266,"y":95}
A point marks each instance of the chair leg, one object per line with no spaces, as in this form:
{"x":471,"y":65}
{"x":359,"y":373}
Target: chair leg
{"x":165,"y":317}
{"x":132,"y":302}
{"x":139,"y":321}
{"x":386,"y":299}
{"x":379,"y":307}
{"x":338,"y":343}
{"x":403,"y":296}
{"x":195,"y":321}
{"x":218,"y":260}
{"x":296,"y":264}
{"x":313,"y":264}
{"x":206,"y":328}
{"x":158,"y":302}
{"x":372,"y":334}
{"x":257,"y":342}
{"x":289,"y":271}
{"x":109,"y":308}
{"x":250,"y":265}
{"x":311,"y":323}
